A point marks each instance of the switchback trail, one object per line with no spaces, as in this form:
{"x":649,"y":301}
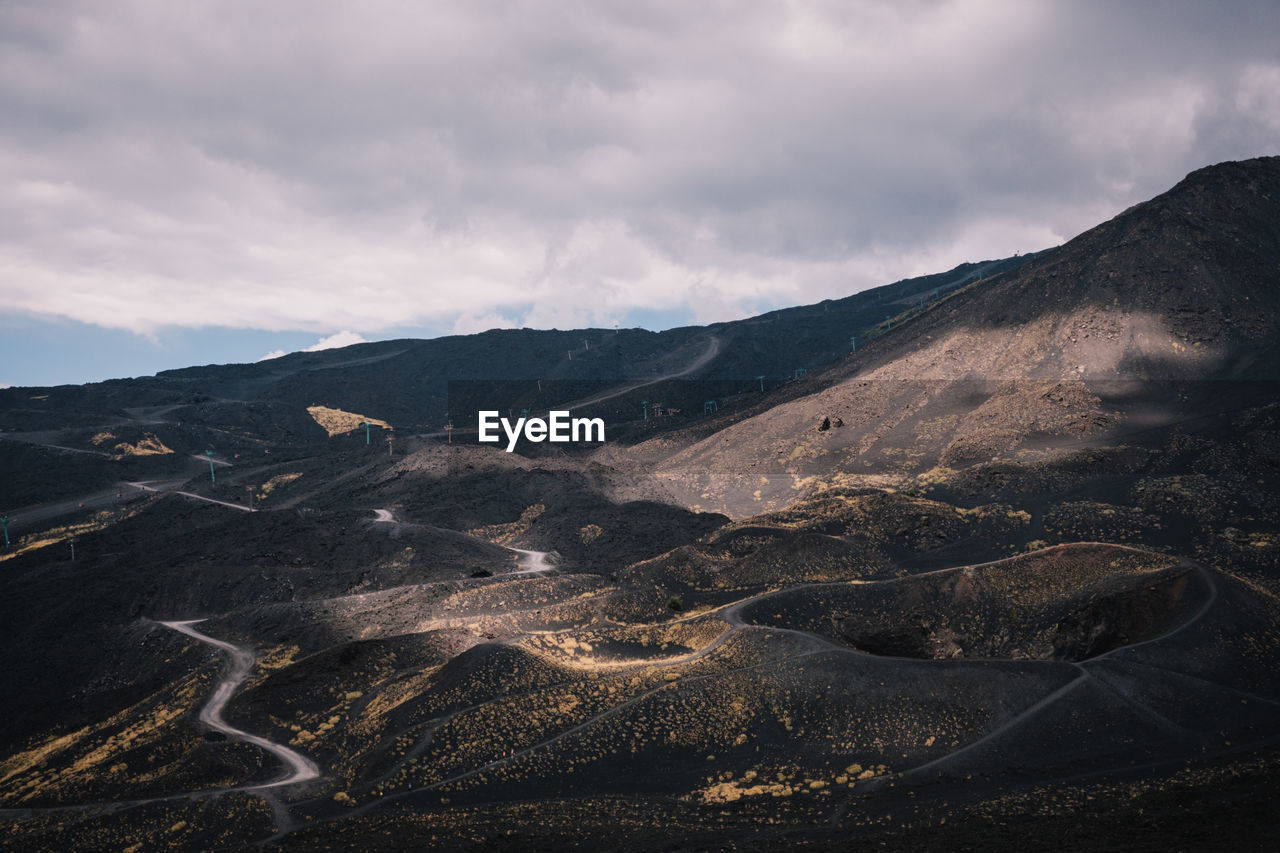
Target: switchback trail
{"x":299,"y":767}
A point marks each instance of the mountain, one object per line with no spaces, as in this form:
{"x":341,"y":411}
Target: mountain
{"x":406,"y":382}
{"x":1139,"y":322}
{"x":1182,"y":286}
{"x":1006,"y":574}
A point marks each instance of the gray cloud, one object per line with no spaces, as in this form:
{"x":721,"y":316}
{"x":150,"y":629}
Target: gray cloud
{"x":312,"y":166}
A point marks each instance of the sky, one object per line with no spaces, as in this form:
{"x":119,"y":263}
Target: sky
{"x":209,"y":182}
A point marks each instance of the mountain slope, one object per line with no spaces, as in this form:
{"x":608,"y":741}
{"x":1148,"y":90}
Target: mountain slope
{"x":1073,"y":347}
{"x":1184,"y":286}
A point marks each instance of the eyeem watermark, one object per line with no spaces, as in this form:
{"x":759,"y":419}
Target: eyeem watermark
{"x":557,"y":427}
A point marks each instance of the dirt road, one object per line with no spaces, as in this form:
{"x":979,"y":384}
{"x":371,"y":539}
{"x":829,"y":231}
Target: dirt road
{"x":299,"y":768}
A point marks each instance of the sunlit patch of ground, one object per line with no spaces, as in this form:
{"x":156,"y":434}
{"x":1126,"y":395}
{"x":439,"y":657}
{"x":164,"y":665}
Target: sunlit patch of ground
{"x":337,"y":421}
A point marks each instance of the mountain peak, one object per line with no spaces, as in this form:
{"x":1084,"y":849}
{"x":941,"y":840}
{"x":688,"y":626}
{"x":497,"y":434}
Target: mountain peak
{"x":1181,"y":286}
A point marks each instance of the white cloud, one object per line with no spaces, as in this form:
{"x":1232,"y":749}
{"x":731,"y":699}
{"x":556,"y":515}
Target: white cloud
{"x":340,"y":339}
{"x":469,"y":323}
{"x":1258,"y":94}
{"x":166,"y":164}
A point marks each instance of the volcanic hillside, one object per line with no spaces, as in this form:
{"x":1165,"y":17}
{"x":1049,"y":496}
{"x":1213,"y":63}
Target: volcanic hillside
{"x":1005,"y":575}
{"x":409,"y":383}
{"x":1136,"y":323}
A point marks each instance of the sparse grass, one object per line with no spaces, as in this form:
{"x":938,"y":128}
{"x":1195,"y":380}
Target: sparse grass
{"x":54,"y":535}
{"x":276,"y":482}
{"x":148,"y":445}
{"x":505,"y":534}
{"x":91,"y":755}
{"x":337,"y":421}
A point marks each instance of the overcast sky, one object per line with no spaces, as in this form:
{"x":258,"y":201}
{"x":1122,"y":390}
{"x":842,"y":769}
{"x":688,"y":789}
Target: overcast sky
{"x":187,"y":181}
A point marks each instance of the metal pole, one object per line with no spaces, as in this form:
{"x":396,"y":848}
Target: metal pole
{"x":366,"y":433}
{"x":5,"y":521}
{"x":73,"y":549}
{"x":853,"y":343}
{"x":213,"y":478}
{"x":761,"y":378}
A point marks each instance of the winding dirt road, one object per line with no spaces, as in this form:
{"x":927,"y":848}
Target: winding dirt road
{"x":532,"y":562}
{"x":299,"y":767}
